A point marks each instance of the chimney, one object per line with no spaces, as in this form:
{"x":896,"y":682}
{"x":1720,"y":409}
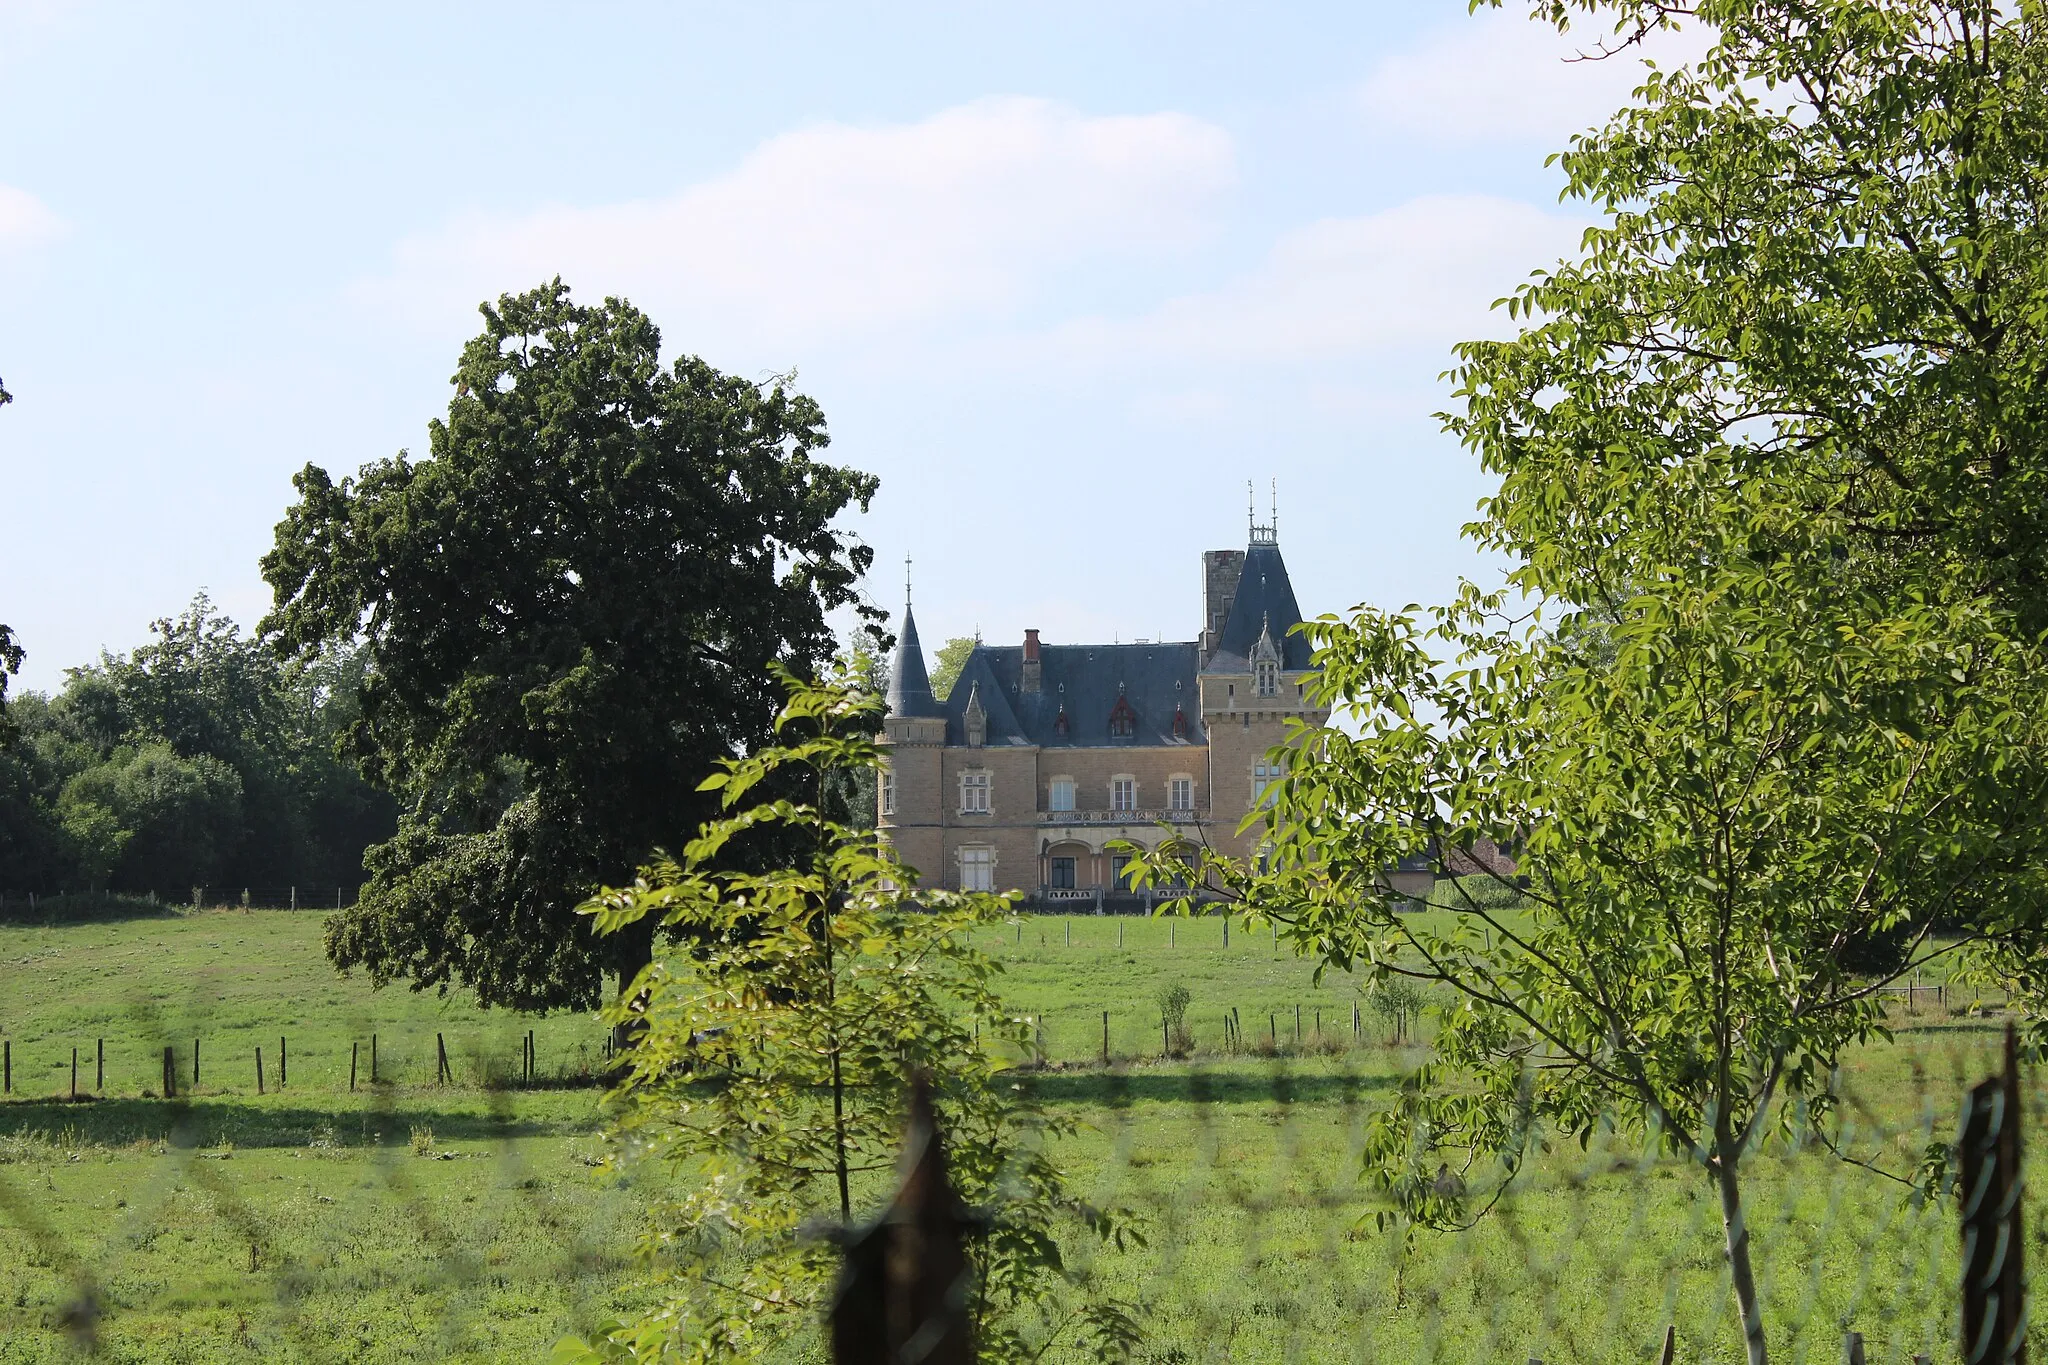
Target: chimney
{"x":1032,"y":666}
{"x":1220,"y":572}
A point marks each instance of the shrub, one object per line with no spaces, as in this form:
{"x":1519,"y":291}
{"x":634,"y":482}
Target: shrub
{"x":1173,"y":1009}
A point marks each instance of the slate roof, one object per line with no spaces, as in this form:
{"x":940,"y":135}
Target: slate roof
{"x":1086,"y":680}
{"x":910,"y":687}
{"x":1265,"y":600}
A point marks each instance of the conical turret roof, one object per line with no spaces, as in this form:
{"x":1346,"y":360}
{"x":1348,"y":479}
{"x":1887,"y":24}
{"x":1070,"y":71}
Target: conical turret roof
{"x":910,"y":687}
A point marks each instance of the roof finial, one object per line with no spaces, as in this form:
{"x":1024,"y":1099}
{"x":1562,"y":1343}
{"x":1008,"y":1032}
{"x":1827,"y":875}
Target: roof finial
{"x":1261,"y":535}
{"x":906,"y":582}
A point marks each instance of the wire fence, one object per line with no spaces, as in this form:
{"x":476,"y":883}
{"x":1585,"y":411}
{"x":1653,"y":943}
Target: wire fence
{"x":464,"y":1205}
{"x":46,"y":906}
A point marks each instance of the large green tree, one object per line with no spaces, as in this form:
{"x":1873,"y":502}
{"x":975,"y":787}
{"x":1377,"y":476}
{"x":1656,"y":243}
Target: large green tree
{"x":1771,"y":464}
{"x":570,"y":611}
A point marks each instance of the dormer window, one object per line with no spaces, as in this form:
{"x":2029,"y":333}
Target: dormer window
{"x":1180,"y":723}
{"x":1266,"y":663}
{"x":1123,"y":721}
{"x":1059,"y":722}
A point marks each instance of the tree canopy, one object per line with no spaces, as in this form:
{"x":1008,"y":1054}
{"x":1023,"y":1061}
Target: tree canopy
{"x":569,"y":612}
{"x":946,"y":666}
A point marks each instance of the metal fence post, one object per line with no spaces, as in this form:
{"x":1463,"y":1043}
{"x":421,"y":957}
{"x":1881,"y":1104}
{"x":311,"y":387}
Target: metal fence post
{"x":1994,"y":1289}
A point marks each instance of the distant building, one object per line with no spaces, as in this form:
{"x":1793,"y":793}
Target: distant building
{"x":1043,"y":754}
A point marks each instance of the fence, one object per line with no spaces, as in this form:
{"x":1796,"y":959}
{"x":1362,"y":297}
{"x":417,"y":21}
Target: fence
{"x":343,"y":1225}
{"x":32,"y":905}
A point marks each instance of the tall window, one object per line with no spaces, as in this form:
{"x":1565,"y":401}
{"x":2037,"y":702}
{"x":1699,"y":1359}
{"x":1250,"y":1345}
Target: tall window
{"x":1063,"y":874}
{"x":1181,"y":793}
{"x":1263,"y":776}
{"x":977,"y":869}
{"x":974,"y":793}
{"x":1123,"y":793}
{"x":888,"y":791}
{"x":1120,"y":871}
{"x":1269,"y":678}
{"x":1061,"y":794}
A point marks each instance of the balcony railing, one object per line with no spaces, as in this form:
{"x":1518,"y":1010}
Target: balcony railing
{"x":1117,"y":817}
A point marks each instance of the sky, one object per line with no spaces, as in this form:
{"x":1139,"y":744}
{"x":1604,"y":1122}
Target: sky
{"x":1064,"y":276}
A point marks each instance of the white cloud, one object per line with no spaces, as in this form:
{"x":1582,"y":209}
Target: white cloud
{"x":25,"y":221}
{"x":1409,"y":280}
{"x":1500,"y":76}
{"x":836,"y":230}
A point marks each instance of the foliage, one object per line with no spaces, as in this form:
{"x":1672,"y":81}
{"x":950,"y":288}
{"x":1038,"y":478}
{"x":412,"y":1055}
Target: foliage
{"x":569,"y":613}
{"x":198,"y":759}
{"x":773,"y":1068}
{"x":946,"y":665}
{"x":11,"y":655}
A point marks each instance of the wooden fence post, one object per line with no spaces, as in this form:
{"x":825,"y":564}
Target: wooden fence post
{"x":170,"y":1075}
{"x":373,"y":1059}
{"x":1852,"y":1348}
{"x":259,"y":1068}
{"x":99,"y":1075}
{"x":352,"y":1064}
{"x":74,"y":1073}
{"x":280,"y":1062}
{"x":442,"y":1075}
{"x":195,"y":1063}
{"x":1670,"y":1350}
{"x":904,"y":1280}
{"x":1105,"y":1037}
{"x":7,"y":1067}
{"x":1994,"y":1304}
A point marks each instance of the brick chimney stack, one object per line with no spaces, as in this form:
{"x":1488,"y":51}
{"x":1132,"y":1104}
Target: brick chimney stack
{"x":1031,"y":662}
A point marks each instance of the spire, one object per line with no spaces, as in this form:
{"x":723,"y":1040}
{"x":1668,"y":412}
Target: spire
{"x":1257,"y":534}
{"x":910,"y":687}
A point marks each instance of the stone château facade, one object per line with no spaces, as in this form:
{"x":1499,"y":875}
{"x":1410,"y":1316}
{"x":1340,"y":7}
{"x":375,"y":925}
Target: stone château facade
{"x":1044,"y":754}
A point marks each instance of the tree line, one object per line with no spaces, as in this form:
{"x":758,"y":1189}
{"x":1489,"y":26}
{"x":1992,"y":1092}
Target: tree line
{"x":200,"y":758}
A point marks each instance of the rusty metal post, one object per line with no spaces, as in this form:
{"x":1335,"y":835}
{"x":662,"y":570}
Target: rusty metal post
{"x":905,"y":1286}
{"x":1994,"y":1329}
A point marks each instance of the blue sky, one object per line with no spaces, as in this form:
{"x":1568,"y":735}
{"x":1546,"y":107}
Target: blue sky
{"x":1063,"y":276}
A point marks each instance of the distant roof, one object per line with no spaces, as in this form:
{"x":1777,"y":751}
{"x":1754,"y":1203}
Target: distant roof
{"x":1084,"y":681}
{"x":1264,"y":601}
{"x":910,"y":687}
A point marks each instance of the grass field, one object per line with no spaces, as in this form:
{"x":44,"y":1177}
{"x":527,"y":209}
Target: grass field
{"x":477,"y":1222}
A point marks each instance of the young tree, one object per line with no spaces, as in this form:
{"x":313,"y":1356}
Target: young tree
{"x":569,"y":612}
{"x":774,"y":1068}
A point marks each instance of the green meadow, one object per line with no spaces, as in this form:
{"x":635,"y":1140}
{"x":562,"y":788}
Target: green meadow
{"x":481,"y":1220}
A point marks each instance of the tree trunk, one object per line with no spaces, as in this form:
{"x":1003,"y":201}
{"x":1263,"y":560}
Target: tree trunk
{"x":1735,"y":1228}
